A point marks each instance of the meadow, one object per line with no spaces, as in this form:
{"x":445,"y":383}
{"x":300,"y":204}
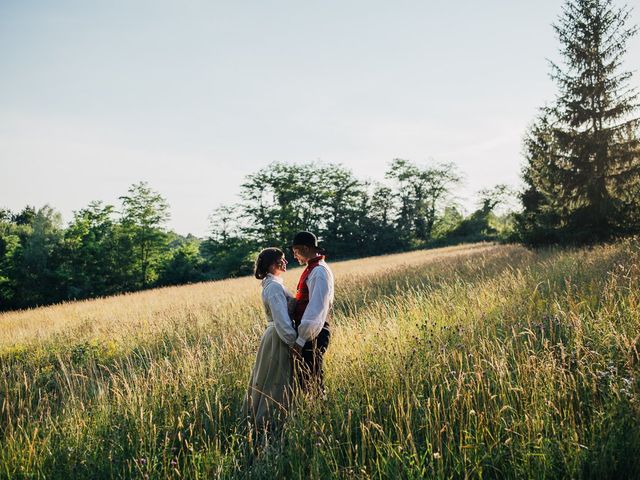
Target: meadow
{"x":476,"y":361}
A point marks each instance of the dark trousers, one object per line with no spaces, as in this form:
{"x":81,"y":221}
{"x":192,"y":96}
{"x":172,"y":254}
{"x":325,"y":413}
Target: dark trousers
{"x":308,"y":370}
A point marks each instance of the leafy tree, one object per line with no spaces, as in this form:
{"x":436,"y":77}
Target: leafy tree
{"x":224,"y":222}
{"x":273,"y":201}
{"x":9,"y":243}
{"x":382,"y":206}
{"x":5,"y":215}
{"x":345,"y":206}
{"x":376,"y":222}
{"x":282,"y":199}
{"x":440,"y":179}
{"x":490,"y":198}
{"x":25,"y":217}
{"x":404,"y":173}
{"x":184,"y":265}
{"x":450,"y":219}
{"x":582,"y":152}
{"x":92,"y":264}
{"x":420,"y":192}
{"x":144,"y":214}
{"x":232,"y":258}
{"x":228,"y":251}
{"x":36,"y":260}
{"x":483,"y":224}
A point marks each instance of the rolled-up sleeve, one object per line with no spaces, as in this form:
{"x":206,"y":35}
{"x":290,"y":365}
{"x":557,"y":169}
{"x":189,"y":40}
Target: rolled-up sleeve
{"x":320,"y":298}
{"x":280,"y":314}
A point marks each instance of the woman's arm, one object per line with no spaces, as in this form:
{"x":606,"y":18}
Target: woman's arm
{"x":280,"y":315}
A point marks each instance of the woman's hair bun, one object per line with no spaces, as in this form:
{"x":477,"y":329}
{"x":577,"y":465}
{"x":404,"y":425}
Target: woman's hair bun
{"x":265,"y":259}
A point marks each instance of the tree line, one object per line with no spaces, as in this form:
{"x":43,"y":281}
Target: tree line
{"x":106,"y":250}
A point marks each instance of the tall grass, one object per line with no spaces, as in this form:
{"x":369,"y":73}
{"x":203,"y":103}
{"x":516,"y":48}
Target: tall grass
{"x":466,"y":362}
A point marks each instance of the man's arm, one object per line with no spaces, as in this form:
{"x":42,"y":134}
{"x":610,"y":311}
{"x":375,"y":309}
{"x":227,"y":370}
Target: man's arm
{"x":319,"y":303}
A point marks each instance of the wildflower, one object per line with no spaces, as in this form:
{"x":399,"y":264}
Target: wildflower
{"x":436,"y":455}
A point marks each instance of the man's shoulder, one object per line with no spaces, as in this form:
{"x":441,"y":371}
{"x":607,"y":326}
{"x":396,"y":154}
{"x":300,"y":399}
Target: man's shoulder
{"x":322,"y":269}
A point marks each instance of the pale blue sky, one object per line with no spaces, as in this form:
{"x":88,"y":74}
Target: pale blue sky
{"x":191,"y":96}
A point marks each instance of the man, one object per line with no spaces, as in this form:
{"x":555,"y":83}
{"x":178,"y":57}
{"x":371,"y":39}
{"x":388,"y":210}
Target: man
{"x":314,"y":298}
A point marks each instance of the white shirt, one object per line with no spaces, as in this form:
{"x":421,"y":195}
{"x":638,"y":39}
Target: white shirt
{"x":320,"y":283}
{"x":274,"y":298}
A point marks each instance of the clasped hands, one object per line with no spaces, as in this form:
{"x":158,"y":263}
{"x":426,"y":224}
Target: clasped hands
{"x":296,"y":351}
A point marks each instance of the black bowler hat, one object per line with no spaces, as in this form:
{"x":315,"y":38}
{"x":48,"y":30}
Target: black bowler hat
{"x":308,"y":239}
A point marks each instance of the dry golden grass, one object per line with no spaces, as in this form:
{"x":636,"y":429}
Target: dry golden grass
{"x":474,"y":361}
{"x":123,"y":316}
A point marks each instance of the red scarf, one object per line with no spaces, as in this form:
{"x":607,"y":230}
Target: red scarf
{"x":302,"y":293}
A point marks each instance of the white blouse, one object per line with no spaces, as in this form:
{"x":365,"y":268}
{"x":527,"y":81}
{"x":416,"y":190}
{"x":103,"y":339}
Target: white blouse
{"x":275,"y":298}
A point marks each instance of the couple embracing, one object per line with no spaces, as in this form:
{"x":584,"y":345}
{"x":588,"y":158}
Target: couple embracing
{"x":292,"y":347}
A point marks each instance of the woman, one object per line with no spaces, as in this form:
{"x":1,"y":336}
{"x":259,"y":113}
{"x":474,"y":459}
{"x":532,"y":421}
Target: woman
{"x":270,"y":384}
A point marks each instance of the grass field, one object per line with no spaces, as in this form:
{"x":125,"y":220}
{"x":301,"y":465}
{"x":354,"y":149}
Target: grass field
{"x":478,"y":361}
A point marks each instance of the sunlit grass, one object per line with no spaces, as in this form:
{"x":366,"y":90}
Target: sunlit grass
{"x":474,"y":361}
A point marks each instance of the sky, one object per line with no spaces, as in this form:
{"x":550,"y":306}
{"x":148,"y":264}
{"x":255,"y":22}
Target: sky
{"x":192,"y":96}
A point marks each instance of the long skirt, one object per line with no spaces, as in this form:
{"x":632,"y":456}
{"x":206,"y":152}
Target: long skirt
{"x":270,"y":385}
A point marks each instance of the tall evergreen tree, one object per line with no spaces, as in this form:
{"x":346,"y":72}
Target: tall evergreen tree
{"x":582,"y":153}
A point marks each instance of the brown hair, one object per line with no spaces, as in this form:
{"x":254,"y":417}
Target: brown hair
{"x":265,"y":259}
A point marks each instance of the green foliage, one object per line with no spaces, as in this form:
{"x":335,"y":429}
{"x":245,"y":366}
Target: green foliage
{"x":583,"y":152}
{"x":93,"y":264}
{"x":420,"y":192}
{"x":377,"y":224}
{"x":41,"y":262}
{"x":352,"y":218}
{"x":282,"y":199}
{"x":232,"y":257}
{"x":9,"y":243}
{"x":36,"y":259}
{"x":184,"y":265}
{"x":480,"y":224}
{"x":448,"y":222}
{"x":144,"y":213}
{"x":105,"y":250}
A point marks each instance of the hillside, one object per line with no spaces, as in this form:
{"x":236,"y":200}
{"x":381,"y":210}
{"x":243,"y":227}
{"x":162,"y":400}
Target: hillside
{"x":472,"y":361}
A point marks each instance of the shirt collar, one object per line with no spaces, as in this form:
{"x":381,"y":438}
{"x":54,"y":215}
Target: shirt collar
{"x":317,"y":259}
{"x":272,"y":278}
